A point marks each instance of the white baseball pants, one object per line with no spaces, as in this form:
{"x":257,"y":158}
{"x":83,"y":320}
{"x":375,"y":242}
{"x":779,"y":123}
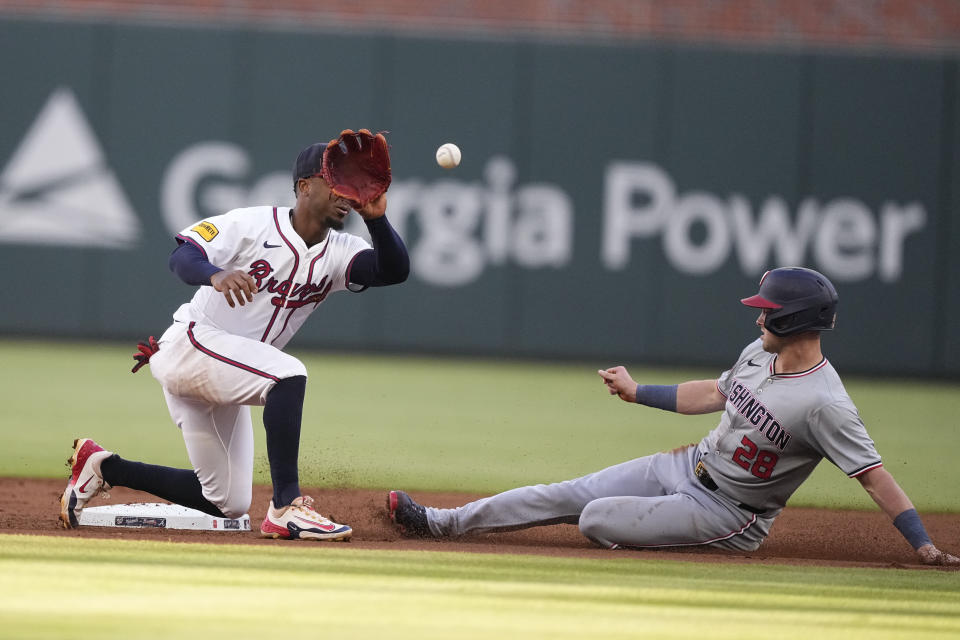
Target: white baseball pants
{"x":210,"y":378}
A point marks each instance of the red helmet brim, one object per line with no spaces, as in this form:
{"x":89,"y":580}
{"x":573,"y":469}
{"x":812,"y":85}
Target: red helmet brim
{"x":760,"y":303}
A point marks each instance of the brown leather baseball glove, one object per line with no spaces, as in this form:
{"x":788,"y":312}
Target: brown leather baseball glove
{"x":356,"y":165}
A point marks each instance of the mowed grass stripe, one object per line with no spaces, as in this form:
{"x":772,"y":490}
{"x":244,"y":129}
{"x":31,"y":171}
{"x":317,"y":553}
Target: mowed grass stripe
{"x":66,"y":587}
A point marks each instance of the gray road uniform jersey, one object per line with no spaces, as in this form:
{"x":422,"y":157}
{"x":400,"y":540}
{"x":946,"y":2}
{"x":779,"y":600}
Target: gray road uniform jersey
{"x":723,"y":492}
{"x":775,"y":429}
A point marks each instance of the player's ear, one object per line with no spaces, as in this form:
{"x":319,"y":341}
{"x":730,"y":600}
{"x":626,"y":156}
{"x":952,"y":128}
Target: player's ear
{"x":298,"y":188}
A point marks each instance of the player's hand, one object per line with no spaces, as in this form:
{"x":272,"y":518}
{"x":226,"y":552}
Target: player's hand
{"x":234,"y":285}
{"x":374,"y":209}
{"x":929,"y":554}
{"x":619,"y":383}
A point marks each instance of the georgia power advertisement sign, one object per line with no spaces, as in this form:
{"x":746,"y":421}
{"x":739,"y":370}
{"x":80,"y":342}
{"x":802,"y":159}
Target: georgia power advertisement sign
{"x":58,"y":189}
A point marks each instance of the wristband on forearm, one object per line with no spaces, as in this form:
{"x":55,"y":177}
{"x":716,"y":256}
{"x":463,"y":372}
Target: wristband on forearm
{"x":658,"y":396}
{"x":912,"y":529}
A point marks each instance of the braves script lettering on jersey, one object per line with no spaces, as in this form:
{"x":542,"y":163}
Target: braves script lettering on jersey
{"x":293,"y":279}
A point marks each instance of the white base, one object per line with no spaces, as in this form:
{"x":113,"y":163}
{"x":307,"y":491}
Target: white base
{"x":158,"y":515}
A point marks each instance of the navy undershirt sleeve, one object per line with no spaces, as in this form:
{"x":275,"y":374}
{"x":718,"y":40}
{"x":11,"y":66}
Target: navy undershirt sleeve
{"x":387,"y":263}
{"x":191,"y":265}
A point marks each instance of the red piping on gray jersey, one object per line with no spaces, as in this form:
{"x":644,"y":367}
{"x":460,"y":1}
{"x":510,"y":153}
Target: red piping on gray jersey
{"x":296,"y":264}
{"x":816,"y":367}
{"x":860,"y":472}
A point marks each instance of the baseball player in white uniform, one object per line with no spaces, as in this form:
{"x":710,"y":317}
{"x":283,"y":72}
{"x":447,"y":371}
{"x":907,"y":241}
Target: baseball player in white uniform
{"x":263,"y":271}
{"x":784,"y":409}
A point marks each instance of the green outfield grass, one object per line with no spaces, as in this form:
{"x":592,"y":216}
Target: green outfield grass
{"x":444,"y":424}
{"x":77,"y":588}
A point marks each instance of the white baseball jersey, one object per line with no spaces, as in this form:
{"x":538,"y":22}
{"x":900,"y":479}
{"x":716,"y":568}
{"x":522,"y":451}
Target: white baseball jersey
{"x":292,"y":279}
{"x":775,"y":429}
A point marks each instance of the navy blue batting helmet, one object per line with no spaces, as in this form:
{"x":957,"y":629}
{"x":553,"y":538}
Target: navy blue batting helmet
{"x":796,"y":299}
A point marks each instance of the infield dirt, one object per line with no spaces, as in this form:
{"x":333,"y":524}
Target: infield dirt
{"x":800,"y":535}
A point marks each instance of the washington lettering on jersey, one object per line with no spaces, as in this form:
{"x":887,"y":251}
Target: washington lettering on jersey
{"x":753,"y":410}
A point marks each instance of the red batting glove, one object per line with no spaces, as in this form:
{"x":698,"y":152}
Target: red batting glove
{"x":146,"y":350}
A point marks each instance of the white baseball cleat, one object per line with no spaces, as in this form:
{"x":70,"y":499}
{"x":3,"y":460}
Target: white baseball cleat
{"x":85,"y":480}
{"x":299,"y":521}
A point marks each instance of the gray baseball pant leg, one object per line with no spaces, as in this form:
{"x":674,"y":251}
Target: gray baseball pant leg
{"x":549,"y":503}
{"x":686,"y":514}
{"x":650,"y":501}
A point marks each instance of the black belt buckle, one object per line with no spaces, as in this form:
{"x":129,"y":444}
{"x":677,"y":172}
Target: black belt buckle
{"x":704,"y":476}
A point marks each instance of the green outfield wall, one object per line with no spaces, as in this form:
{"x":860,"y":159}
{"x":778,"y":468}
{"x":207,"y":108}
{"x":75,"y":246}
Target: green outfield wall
{"x":614,"y":202}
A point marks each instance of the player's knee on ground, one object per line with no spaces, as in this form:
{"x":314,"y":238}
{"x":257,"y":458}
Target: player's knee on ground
{"x":595,"y":523}
{"x":233,"y":504}
{"x":236,"y":508}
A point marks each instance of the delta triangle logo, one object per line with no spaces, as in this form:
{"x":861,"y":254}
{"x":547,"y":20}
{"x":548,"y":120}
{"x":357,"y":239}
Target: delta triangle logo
{"x":57,"y":188}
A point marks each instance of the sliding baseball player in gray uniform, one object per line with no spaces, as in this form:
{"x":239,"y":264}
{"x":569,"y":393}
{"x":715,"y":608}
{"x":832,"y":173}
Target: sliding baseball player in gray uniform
{"x":784,"y":410}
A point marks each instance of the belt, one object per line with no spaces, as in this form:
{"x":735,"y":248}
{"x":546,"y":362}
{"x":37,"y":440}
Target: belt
{"x":704,"y":477}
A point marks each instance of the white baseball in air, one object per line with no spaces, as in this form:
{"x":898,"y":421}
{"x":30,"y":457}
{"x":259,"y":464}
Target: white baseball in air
{"x":448,"y":155}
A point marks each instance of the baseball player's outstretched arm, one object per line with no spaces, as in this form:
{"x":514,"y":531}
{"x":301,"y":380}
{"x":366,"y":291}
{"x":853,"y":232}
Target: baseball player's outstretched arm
{"x":690,"y":398}
{"x":699,"y":396}
{"x":888,"y":495}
